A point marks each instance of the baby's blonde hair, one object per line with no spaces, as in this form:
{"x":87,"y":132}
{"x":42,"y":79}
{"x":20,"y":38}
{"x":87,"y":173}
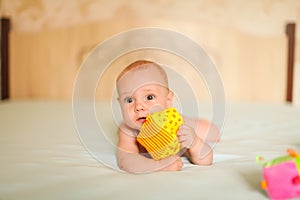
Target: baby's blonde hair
{"x":142,"y":64}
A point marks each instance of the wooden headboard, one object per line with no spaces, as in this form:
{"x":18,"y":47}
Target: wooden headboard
{"x":217,"y":39}
{"x":290,"y":31}
{"x":5,"y":29}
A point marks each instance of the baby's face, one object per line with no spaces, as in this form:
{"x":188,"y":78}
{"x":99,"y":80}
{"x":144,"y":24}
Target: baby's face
{"x":141,"y":92}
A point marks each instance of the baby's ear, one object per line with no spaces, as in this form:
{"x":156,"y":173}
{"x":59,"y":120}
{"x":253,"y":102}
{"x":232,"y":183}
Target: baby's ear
{"x":170,"y":99}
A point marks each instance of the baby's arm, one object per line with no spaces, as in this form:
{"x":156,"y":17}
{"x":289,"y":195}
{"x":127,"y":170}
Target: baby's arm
{"x":204,"y":129}
{"x":130,"y":160}
{"x":194,"y":135}
{"x":198,"y":152}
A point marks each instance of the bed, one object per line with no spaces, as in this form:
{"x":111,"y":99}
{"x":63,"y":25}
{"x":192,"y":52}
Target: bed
{"x":44,"y":157}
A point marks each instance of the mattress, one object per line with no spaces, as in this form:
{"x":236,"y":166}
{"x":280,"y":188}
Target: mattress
{"x":44,"y":157}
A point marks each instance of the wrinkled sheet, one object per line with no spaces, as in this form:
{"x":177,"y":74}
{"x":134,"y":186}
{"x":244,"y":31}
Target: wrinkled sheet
{"x":42,"y":157}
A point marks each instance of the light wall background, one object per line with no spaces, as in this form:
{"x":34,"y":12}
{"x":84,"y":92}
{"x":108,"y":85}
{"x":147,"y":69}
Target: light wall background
{"x":246,"y":39}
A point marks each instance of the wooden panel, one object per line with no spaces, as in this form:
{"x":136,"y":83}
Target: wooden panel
{"x":290,"y":31}
{"x":5,"y":29}
{"x":44,"y":64}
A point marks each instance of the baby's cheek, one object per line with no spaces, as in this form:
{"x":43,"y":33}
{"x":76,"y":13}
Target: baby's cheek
{"x":127,"y":110}
{"x":126,"y":116}
{"x":156,"y":108}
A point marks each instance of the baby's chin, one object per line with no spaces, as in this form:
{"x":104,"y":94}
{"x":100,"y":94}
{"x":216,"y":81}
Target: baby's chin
{"x":135,"y":126}
{"x":139,"y":125}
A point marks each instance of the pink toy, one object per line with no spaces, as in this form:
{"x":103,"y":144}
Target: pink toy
{"x":281,"y":176}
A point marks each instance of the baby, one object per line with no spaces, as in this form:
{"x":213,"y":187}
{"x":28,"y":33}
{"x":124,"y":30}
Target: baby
{"x":143,"y":89}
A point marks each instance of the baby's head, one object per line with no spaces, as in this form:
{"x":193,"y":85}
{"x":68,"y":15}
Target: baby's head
{"x":142,"y":88}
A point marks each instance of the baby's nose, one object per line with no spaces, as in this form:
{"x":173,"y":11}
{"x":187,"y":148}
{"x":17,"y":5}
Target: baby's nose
{"x":139,"y":105}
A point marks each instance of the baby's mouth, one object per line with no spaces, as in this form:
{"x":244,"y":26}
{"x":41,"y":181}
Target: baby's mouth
{"x":141,"y":119}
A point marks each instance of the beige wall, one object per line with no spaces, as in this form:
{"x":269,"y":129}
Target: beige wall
{"x":246,"y":39}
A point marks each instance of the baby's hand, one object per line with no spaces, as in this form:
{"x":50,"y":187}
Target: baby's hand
{"x":171,"y":163}
{"x":186,"y":136}
{"x":198,"y":152}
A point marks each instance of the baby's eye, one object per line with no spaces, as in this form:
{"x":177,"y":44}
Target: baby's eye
{"x":150,"y":97}
{"x":128,"y":100}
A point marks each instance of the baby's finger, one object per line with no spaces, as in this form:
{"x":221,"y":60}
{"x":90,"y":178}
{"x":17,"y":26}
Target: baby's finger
{"x":184,"y":127}
{"x":185,"y":144}
{"x":181,"y":138}
{"x":180,"y":133}
{"x":181,"y":128}
{"x":185,"y":141}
